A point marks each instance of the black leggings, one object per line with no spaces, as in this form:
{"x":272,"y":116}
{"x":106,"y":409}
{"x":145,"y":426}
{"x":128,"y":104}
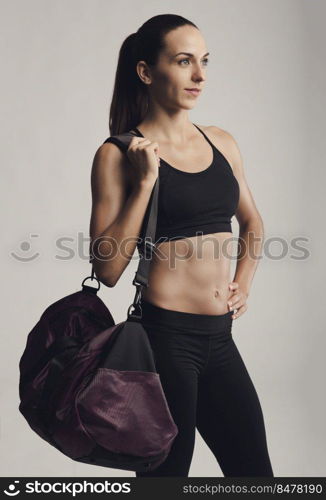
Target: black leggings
{"x":207,"y":386}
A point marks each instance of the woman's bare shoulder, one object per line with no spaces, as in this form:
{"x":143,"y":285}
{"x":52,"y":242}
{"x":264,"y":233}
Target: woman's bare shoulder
{"x":109,"y":167}
{"x":224,"y":142}
{"x":216,"y":131}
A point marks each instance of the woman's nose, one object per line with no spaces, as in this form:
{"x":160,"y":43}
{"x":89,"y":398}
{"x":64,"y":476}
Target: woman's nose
{"x":199,"y":74}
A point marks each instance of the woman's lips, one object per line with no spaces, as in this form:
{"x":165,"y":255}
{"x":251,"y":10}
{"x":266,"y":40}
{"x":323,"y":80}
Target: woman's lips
{"x":193,"y":92}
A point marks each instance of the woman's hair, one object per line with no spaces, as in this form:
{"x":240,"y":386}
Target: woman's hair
{"x":130,"y":95}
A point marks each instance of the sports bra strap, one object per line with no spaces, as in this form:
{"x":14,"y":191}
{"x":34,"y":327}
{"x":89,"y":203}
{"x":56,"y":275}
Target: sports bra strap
{"x":207,"y":139}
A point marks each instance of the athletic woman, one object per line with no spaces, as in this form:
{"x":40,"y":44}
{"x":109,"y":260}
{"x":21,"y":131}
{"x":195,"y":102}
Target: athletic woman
{"x":190,"y":304}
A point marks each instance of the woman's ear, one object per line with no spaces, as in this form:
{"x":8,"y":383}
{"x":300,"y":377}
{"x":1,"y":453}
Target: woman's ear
{"x":143,"y":72}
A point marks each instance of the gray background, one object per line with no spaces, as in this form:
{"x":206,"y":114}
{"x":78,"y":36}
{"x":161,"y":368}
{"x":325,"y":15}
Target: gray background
{"x":266,"y":86}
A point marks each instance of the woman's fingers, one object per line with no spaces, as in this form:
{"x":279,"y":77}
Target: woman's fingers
{"x":240,"y":311}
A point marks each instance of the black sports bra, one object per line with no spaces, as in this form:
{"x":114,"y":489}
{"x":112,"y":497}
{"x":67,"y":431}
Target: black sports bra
{"x":195,"y":203}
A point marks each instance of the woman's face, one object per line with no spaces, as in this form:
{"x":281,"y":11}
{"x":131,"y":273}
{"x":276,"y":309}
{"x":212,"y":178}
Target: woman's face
{"x":181,"y":65}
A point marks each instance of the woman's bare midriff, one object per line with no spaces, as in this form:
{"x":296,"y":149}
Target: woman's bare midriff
{"x":192,"y":274}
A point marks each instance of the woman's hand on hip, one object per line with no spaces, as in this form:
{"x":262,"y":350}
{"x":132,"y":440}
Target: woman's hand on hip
{"x":237,"y":302}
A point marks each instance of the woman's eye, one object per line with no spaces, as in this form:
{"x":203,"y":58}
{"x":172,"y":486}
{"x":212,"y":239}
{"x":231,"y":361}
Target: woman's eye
{"x":205,"y":61}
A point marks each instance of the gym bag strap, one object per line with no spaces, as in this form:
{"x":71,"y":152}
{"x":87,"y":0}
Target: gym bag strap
{"x":147,"y":233}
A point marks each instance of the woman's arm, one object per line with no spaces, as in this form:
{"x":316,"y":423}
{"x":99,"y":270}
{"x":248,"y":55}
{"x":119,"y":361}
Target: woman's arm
{"x":251,"y":227}
{"x":117,"y":213}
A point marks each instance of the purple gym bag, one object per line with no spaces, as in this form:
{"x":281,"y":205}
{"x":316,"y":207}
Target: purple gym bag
{"x":88,"y":386}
